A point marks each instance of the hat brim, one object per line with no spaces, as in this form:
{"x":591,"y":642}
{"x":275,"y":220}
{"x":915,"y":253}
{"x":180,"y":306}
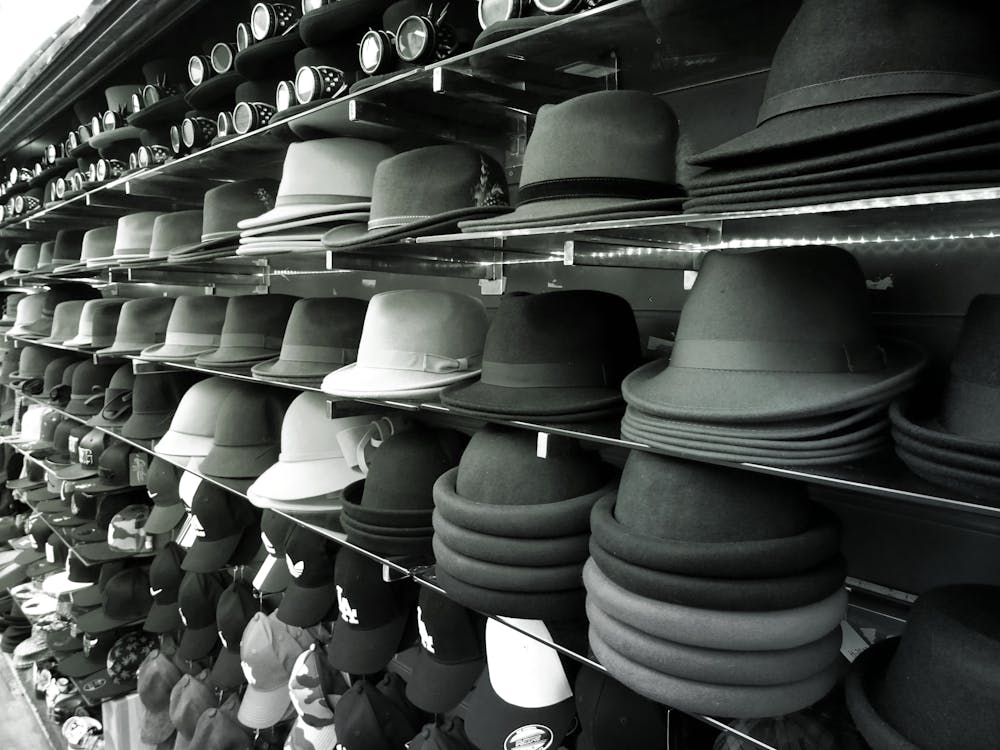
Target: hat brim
{"x":60,"y":584}
{"x":74,"y":472}
{"x":855,"y":122}
{"x":307,"y":228}
{"x":501,"y":30}
{"x":547,"y":605}
{"x":304,"y":607}
{"x":208,"y":556}
{"x":290,"y":481}
{"x":981,"y":485}
{"x":165,"y":518}
{"x":226,"y":671}
{"x":239,"y":462}
{"x":530,"y":402}
{"x":358,"y":381}
{"x":511,"y":550}
{"x":437,"y":687}
{"x":175,"y":443}
{"x":230,"y":356}
{"x":947,"y":456}
{"x":87,"y":597}
{"x":121,"y":349}
{"x":304,"y":373}
{"x":197,"y":643}
{"x":280,"y":218}
{"x":528,"y":578}
{"x":104,"y":687}
{"x":213,"y":94}
{"x":174,"y":352}
{"x":103,"y":552}
{"x":108,"y":138}
{"x":744,"y":397}
{"x":98,"y":621}
{"x":162,"y":618}
{"x":148,"y":426}
{"x":65,"y":521}
{"x":861,"y":685}
{"x":365,"y":651}
{"x":925,"y":430}
{"x":168,"y":110}
{"x":389,"y":544}
{"x":262,"y":60}
{"x":156,"y":726}
{"x":78,"y":665}
{"x":262,"y":709}
{"x":184,"y":252}
{"x":352,"y":236}
{"x":574,"y":210}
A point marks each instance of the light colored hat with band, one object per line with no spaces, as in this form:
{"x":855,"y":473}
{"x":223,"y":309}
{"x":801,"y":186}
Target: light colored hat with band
{"x":195,"y":328}
{"x":193,"y":425}
{"x":134,"y":236}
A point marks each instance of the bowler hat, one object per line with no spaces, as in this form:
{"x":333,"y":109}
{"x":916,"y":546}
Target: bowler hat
{"x":193,"y":425}
{"x":560,"y":604}
{"x":162,"y":98}
{"x":119,"y":100}
{"x":141,"y":323}
{"x":176,"y":229}
{"x":877,"y":76}
{"x":154,"y":399}
{"x":98,"y":322}
{"x":572,"y":172}
{"x":224,"y":207}
{"x":320,"y":179}
{"x":774,"y":335}
{"x":195,"y":327}
{"x":929,"y":688}
{"x":247,"y":434}
{"x":414,"y":343}
{"x":426,"y":191}
{"x":558,"y":355}
{"x":322,"y":335}
{"x":253,"y":330}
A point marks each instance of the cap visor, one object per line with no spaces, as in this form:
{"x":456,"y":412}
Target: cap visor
{"x":207,"y":556}
{"x":97,"y":621}
{"x":304,"y":607}
{"x":174,"y":352}
{"x":297,"y":480}
{"x":367,"y":651}
{"x":146,"y":426}
{"x":60,"y":584}
{"x":77,"y":665}
{"x":197,"y":643}
{"x":262,"y":709}
{"x":162,"y":618}
{"x":75,"y":472}
{"x":436,"y":687}
{"x":165,"y":518}
{"x":239,"y":462}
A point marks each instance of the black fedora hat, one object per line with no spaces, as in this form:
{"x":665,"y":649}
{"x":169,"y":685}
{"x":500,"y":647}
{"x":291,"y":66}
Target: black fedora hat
{"x":951,"y":633}
{"x":879,"y":76}
{"x":552,"y":355}
{"x":162,"y":98}
{"x":725,"y":367}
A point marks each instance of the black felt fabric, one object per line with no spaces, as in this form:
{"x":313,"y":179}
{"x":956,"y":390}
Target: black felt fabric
{"x":511,"y":577}
{"x":917,"y":421}
{"x":548,"y":605}
{"x":982,"y":486}
{"x":511,"y":550}
{"x":947,"y":457}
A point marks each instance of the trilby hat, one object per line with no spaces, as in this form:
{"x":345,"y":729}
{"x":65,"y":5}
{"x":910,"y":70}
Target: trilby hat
{"x":98,"y":322}
{"x":132,"y":240}
{"x":98,"y":245}
{"x":225,"y":206}
{"x":195,"y":327}
{"x":253,"y":330}
{"x":68,"y":245}
{"x":193,"y":425}
{"x":141,"y":323}
{"x":176,"y":229}
{"x":726,"y":367}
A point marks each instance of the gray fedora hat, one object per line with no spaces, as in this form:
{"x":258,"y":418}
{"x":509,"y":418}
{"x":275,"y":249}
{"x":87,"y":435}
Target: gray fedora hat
{"x":725,"y":367}
{"x":253,"y":330}
{"x":141,"y":323}
{"x":195,"y":327}
{"x":578,"y":167}
{"x":878,"y":77}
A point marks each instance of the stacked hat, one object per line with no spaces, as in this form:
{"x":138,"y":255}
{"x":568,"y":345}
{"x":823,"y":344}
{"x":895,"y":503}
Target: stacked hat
{"x":928,"y":688}
{"x":141,"y":323}
{"x":376,"y":715}
{"x":414,"y":343}
{"x":252,"y":332}
{"x":112,"y":477}
{"x":506,"y":710}
{"x":325,"y":183}
{"x":956,"y":443}
{"x":189,"y":438}
{"x":197,"y":599}
{"x":558,"y":357}
{"x":224,"y":207}
{"x":162,"y":98}
{"x":117,"y":406}
{"x":776,"y":361}
{"x":390,"y":510}
{"x":236,"y":607}
{"x":226,"y":530}
{"x":164,"y":585}
{"x":157,"y":676}
{"x":322,"y":335}
{"x":715,"y":591}
{"x":194,"y":328}
{"x":314,"y":688}
{"x":511,"y":529}
{"x":103,"y":508}
{"x":861,"y":103}
{"x":373,"y":615}
{"x":155,"y":397}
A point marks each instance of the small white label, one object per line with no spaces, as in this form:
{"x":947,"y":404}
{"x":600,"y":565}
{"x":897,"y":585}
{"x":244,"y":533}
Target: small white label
{"x":368,"y":283}
{"x":542,"y":445}
{"x":851,"y":644}
{"x":262,"y":573}
{"x":689,"y":278}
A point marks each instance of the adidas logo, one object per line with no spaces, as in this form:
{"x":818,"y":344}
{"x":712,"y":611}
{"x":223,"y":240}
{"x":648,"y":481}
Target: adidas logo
{"x":295,"y":568}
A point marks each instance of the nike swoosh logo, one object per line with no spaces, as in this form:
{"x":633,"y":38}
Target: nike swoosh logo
{"x":156,"y":592}
{"x":153,"y":495}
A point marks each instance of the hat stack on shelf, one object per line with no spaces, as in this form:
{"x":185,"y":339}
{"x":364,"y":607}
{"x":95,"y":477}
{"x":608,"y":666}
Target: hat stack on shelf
{"x":956,"y":443}
{"x":889,"y":105}
{"x":775,"y":361}
{"x":715,"y":591}
{"x":511,"y":529}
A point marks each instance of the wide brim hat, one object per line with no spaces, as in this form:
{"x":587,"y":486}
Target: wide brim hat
{"x":516,"y":403}
{"x":861,"y":685}
{"x":302,"y":215}
{"x":573,"y":210}
{"x":306,"y":373}
{"x":170,"y":352}
{"x":381,"y":382}
{"x":289,"y":481}
{"x":107,"y":138}
{"x":238,"y":461}
{"x":353,"y":236}
{"x":168,"y":110}
{"x":307,"y":228}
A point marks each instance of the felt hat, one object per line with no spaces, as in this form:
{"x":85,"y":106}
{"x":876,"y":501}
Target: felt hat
{"x":195,"y":327}
{"x":270,"y":57}
{"x":268,"y":652}
{"x":11,"y":302}
{"x":233,"y":613}
{"x":224,"y":207}
{"x":119,"y":101}
{"x":879,"y":77}
{"x":322,"y":335}
{"x":98,"y":322}
{"x":414,"y":343}
{"x":321,"y":74}
{"x":140,"y":323}
{"x":117,"y":407}
{"x":247,"y":435}
{"x":253,"y":330}
{"x":65,"y":322}
{"x":571,"y":174}
{"x":311,"y":592}
{"x":193,"y":425}
{"x":30,"y":321}
{"x":165,"y":576}
{"x":318,"y":459}
{"x":176,"y":229}
{"x":426,"y":191}
{"x":156,"y":678}
{"x":725,"y":367}
{"x":155,"y":397}
{"x":893,"y":709}
{"x":324,"y":22}
{"x":25,"y":260}
{"x":97,"y":249}
{"x":197,"y":599}
{"x":30,"y":373}
{"x":162,"y":98}
{"x":553,"y":354}
{"x":68,"y":245}
{"x":133,"y":237}
{"x":322,"y":178}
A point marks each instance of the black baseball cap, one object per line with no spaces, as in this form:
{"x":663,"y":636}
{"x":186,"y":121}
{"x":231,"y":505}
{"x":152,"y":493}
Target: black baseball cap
{"x":445,"y":734}
{"x":311,"y":591}
{"x":88,"y":453}
{"x":164,"y":583}
{"x":611,"y":714}
{"x":65,"y":454}
{"x":452,"y":653}
{"x":34,"y":475}
{"x":91,"y":596}
{"x":373,"y":615}
{"x":198,"y":599}
{"x":375,"y":717}
{"x":92,"y":657}
{"x":124,"y":599}
{"x":162,"y":480}
{"x":236,"y":606}
{"x":112,"y":471}
{"x":220,"y":520}
{"x":108,"y":506}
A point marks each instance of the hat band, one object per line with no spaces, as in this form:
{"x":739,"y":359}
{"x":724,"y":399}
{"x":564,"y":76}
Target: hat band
{"x":250,"y":340}
{"x":545,"y":374}
{"x":334,"y":355}
{"x":896,"y":83}
{"x":395,"y":359}
{"x":777,"y":356}
{"x":192,"y":339}
{"x":625,"y":188}
{"x":321,"y":198}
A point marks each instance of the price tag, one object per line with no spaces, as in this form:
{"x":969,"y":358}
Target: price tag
{"x":138,"y":467}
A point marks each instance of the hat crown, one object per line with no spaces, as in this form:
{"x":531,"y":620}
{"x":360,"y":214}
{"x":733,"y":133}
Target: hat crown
{"x":887,"y":38}
{"x":403,"y":470}
{"x":126,"y":596}
{"x":425,"y":324}
{"x":88,"y":378}
{"x":198,"y":596}
{"x":165,"y":573}
{"x":307,"y":688}
{"x":325,"y":321}
{"x":26,"y":257}
{"x":782,"y":310}
{"x":66,"y":319}
{"x":68,"y":245}
{"x":250,"y":418}
{"x":974,"y":384}
{"x":229,"y":204}
{"x":500,"y":466}
{"x":155,"y":393}
{"x":269,"y":649}
{"x":135,"y":233}
{"x":189,"y":699}
{"x":143,"y":320}
{"x":127,"y":654}
{"x":67,"y":291}
{"x":307,"y":433}
{"x":198,"y":411}
{"x":671,"y":499}
{"x":119,"y":98}
{"x":952,"y":637}
{"x":175,"y":230}
{"x":263,"y":314}
{"x":197,"y":314}
{"x":434,"y":180}
{"x":618,"y":136}
{"x":104,"y":321}
{"x":46,"y":253}
{"x":338,"y":170}
{"x":235,"y":608}
{"x":99,"y":243}
{"x":156,"y":678}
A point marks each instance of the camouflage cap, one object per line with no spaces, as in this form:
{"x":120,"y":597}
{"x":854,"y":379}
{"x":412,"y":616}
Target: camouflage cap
{"x":127,"y":530}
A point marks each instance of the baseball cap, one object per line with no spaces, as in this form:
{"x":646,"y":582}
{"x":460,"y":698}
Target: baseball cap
{"x":218,"y":730}
{"x":112,"y":471}
{"x":162,"y":484}
{"x":373,"y":614}
{"x":106,"y":507}
{"x":314,"y":687}
{"x":91,"y":596}
{"x":92,"y":657}
{"x":449,"y":734}
{"x":267,"y":654}
{"x":507,"y":711}
{"x":77,"y":575}
{"x":88,"y":453}
{"x":126,"y":655}
{"x":157,"y":676}
{"x":220,"y":520}
{"x":125,"y":599}
{"x":311,"y":591}
{"x":611,"y":714}
{"x":164,"y":583}
{"x":232,"y":614}
{"x":274,"y":531}
{"x":452,"y":653}
{"x":376,"y":717}
{"x":189,"y":699}
{"x":126,"y":536}
{"x":197,"y":599}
